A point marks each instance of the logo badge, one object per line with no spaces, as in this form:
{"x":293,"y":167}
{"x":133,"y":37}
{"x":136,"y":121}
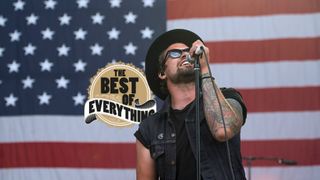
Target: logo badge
{"x":119,"y":95}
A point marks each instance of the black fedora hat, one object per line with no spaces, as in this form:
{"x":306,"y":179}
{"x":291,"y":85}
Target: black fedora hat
{"x":160,"y":44}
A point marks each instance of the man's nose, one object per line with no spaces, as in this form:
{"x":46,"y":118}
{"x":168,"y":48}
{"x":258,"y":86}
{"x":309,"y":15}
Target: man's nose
{"x":184,"y":55}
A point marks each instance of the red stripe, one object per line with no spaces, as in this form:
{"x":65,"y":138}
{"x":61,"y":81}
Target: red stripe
{"x":212,"y":8}
{"x":83,"y":155}
{"x":116,"y":155}
{"x":304,"y":152}
{"x":267,"y":50}
{"x":282,"y":99}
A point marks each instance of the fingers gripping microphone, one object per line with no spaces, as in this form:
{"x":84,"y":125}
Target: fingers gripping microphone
{"x":190,"y":59}
{"x":197,"y":52}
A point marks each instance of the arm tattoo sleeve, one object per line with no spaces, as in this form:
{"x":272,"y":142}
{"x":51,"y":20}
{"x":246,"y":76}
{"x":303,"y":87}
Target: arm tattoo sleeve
{"x":230,"y":110}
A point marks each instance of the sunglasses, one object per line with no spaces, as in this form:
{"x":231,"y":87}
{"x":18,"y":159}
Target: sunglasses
{"x":176,"y":53}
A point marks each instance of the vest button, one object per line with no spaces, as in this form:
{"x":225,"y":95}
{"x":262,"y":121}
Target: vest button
{"x":173,"y":162}
{"x":173,"y":135}
{"x":160,"y":136}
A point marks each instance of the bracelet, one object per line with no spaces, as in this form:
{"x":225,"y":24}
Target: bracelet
{"x":206,"y":75}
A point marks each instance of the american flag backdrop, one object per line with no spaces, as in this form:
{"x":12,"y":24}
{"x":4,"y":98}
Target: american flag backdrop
{"x":49,"y":49}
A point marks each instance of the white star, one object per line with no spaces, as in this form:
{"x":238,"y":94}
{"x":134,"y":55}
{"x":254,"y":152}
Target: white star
{"x":47,"y":34}
{"x":46,"y":65}
{"x":15,"y":36}
{"x":96,"y":49}
{"x":130,"y":17}
{"x":62,"y":82}
{"x":32,"y":19}
{"x":3,"y":21}
{"x":78,"y":99}
{"x":97,"y":18}
{"x":18,"y":5}
{"x":80,"y":65}
{"x":148,"y":3}
{"x":13,"y":67}
{"x":113,"y":61}
{"x":50,"y":4}
{"x":1,"y":51}
{"x":11,"y":100}
{"x":130,"y":48}
{"x":27,"y":83}
{"x":115,"y":3}
{"x":44,"y":98}
{"x":29,"y":49}
{"x":143,"y":64}
{"x":80,"y":34}
{"x":82,"y":3}
{"x":147,"y":33}
{"x":63,"y":50}
{"x":65,"y":19}
{"x":113,"y":33}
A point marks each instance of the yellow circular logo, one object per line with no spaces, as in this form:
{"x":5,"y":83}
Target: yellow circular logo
{"x":119,"y":95}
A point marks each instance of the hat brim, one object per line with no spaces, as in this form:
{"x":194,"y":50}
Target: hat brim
{"x":160,"y":44}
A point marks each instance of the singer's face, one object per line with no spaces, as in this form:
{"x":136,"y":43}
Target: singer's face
{"x":177,"y":69}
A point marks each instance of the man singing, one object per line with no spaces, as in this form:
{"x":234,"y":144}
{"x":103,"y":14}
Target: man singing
{"x":166,"y":144}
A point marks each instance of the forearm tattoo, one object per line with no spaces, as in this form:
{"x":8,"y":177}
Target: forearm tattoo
{"x":232,"y":116}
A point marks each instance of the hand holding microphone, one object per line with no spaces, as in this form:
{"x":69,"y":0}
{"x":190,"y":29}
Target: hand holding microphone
{"x":199,"y":50}
{"x":196,"y":51}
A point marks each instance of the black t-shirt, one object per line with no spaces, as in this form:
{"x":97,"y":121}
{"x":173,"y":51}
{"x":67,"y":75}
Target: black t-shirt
{"x":186,"y":162}
{"x":214,"y":151}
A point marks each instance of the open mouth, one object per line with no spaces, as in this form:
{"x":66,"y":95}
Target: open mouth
{"x":185,"y":63}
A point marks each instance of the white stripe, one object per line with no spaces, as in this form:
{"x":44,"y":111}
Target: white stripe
{"x":259,"y":126}
{"x":66,"y":174}
{"x":268,"y":74}
{"x":251,"y":28}
{"x":281,"y":125}
{"x":61,"y":128}
{"x":260,"y":173}
{"x":285,"y":173}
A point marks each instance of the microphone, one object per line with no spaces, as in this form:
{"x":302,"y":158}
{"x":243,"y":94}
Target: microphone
{"x":287,"y":162}
{"x":199,"y":50}
{"x":190,"y":59}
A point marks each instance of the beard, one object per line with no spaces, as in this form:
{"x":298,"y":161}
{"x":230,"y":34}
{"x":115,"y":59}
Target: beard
{"x":183,"y":76}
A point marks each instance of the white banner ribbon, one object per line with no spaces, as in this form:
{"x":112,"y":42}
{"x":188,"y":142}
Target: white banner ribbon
{"x":114,"y":109}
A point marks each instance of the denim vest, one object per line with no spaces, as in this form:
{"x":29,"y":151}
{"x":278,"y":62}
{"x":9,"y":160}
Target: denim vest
{"x":159,"y":133}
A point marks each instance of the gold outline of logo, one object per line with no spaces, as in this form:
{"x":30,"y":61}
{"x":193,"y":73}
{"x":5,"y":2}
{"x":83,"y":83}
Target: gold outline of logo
{"x":94,"y":82}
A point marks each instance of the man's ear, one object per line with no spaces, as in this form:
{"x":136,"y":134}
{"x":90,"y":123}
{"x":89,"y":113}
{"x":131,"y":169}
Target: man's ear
{"x":162,"y":75}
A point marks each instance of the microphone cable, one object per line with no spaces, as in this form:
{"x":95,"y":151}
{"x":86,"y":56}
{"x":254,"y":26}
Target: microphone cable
{"x":222,"y":118}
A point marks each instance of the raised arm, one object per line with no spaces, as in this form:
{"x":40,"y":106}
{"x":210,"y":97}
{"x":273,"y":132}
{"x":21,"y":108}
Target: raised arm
{"x":231,"y":110}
